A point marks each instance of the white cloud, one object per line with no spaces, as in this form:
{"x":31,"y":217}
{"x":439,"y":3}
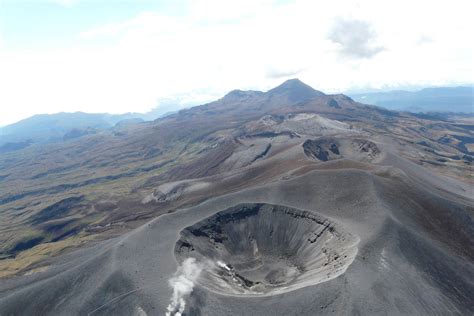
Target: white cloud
{"x":214,"y":47}
{"x":356,"y":38}
{"x":147,"y":23}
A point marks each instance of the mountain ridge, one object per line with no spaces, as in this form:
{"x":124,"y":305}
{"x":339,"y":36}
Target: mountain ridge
{"x":433,"y":99}
{"x":46,"y":128}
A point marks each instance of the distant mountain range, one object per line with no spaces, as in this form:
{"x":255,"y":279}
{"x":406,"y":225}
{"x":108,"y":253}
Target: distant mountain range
{"x":443,"y":99}
{"x":49,"y":128}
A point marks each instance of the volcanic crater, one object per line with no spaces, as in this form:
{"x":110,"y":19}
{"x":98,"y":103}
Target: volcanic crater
{"x":264,"y":249}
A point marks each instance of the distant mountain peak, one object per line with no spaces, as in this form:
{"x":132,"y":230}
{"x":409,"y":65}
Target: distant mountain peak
{"x":295,"y":90}
{"x":292,"y":83}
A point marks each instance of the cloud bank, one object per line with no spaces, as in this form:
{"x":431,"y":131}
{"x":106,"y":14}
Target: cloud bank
{"x":211,"y":47}
{"x":356,"y":38}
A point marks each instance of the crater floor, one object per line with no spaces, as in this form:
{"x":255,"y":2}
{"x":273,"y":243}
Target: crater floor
{"x":264,"y":249}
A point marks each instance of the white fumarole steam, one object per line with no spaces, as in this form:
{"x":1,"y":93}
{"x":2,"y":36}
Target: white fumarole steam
{"x":183,"y":283}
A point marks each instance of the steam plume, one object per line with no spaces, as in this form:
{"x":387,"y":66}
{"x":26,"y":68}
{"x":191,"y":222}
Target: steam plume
{"x":183,"y":283}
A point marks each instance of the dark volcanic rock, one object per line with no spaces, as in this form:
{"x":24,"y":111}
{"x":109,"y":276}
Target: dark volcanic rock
{"x":334,"y":104}
{"x":313,"y":149}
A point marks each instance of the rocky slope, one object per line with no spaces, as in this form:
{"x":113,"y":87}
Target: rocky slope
{"x":399,"y":184}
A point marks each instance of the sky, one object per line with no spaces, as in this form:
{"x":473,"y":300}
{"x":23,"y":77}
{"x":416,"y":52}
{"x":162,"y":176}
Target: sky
{"x":133,"y":56}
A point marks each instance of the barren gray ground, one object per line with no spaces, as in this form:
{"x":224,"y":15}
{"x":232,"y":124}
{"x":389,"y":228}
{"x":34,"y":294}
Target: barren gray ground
{"x":413,"y":257}
{"x":270,"y":208}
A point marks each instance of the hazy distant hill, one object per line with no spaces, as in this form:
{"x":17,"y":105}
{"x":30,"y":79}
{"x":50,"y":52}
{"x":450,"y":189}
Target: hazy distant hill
{"x":444,"y":99}
{"x":47,"y":128}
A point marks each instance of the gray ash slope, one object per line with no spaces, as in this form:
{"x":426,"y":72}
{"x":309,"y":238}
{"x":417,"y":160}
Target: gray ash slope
{"x":329,"y":219}
{"x":414,"y":256}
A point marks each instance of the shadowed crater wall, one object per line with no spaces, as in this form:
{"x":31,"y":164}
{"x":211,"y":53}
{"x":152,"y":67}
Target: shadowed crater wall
{"x":263,"y":249}
{"x":330,"y":148}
